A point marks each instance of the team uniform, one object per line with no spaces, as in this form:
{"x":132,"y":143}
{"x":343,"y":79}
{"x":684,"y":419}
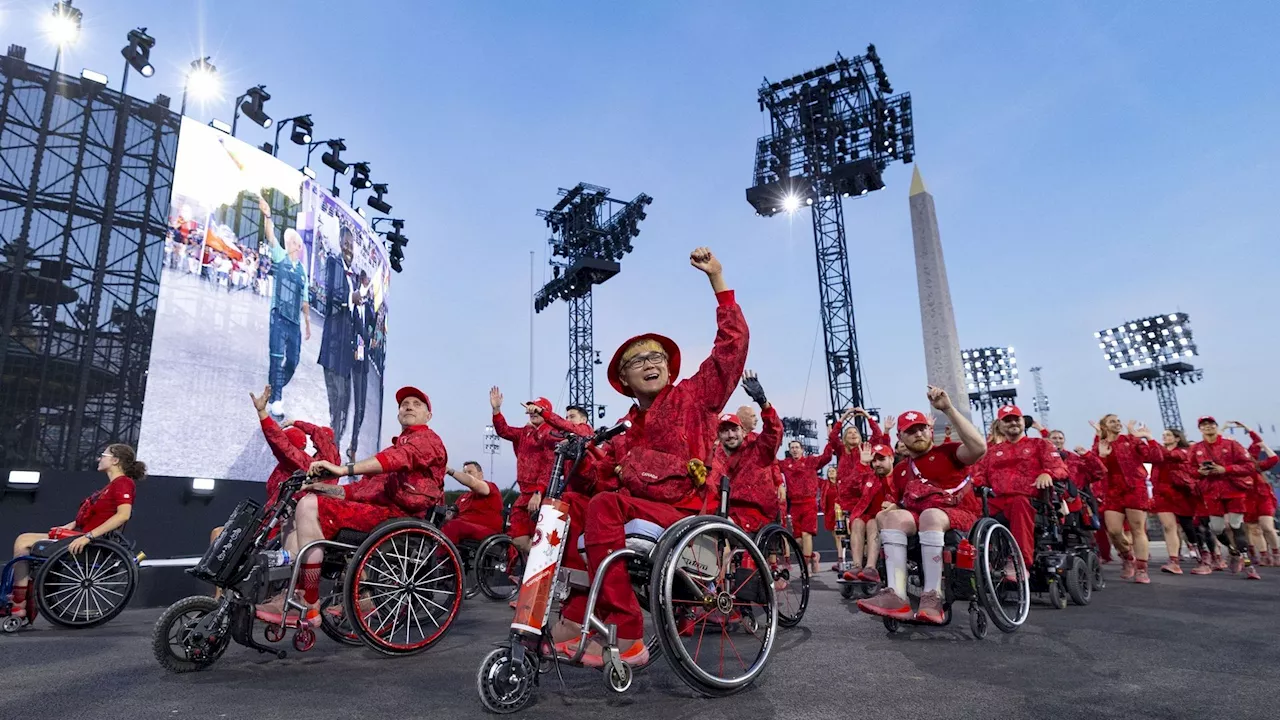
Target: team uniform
{"x":1125,"y":484}
{"x":863,"y":494}
{"x":939,"y":480}
{"x":535,"y":452}
{"x":753,"y":490}
{"x":1174,"y":483}
{"x":1230,"y":491}
{"x":98,"y":508}
{"x":479,"y":516}
{"x":287,"y":445}
{"x":411,"y":482}
{"x":1262,"y":502}
{"x":801,"y":476}
{"x":1010,"y":469}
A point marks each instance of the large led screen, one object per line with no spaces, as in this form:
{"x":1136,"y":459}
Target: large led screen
{"x":298,"y":302}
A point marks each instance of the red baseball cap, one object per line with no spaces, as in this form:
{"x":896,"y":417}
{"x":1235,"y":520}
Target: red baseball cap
{"x":1205,"y":419}
{"x":296,"y":437}
{"x":541,"y":402}
{"x":1007,"y":411}
{"x":729,"y":419}
{"x":882,"y":451}
{"x":910,"y":419}
{"x":668,"y":346}
{"x":409,"y":391}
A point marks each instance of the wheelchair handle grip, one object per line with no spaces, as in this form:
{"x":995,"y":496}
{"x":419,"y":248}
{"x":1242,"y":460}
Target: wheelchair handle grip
{"x":610,"y":433}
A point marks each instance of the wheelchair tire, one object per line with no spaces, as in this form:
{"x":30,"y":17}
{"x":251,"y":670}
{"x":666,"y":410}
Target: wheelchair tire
{"x":338,"y":629}
{"x":708,"y":559}
{"x":794,"y":598}
{"x":978,"y":623}
{"x":418,"y":574}
{"x":846,"y":591}
{"x":1079,"y":582}
{"x":87,"y":589}
{"x":1095,"y":572}
{"x":1057,"y":595}
{"x":1007,"y":607}
{"x":170,"y":640}
{"x":492,"y":566}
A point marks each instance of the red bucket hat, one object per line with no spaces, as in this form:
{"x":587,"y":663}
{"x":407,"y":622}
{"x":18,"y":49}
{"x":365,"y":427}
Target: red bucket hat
{"x":296,"y":437}
{"x":409,"y":391}
{"x":668,"y":346}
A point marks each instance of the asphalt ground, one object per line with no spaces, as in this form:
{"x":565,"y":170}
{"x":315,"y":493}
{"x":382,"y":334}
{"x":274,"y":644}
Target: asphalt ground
{"x":1182,"y":647}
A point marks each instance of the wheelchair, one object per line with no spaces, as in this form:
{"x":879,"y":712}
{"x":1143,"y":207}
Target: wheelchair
{"x":1056,"y":572}
{"x":399,"y":591}
{"x":790,"y":573}
{"x":702,"y":581}
{"x":73,"y":591}
{"x":1079,"y":536}
{"x":973,"y":570}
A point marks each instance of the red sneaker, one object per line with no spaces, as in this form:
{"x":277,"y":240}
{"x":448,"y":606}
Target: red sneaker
{"x":1219,"y":562}
{"x":835,"y":568}
{"x":850,"y":576}
{"x":1204,"y":568}
{"x":930,"y":610}
{"x":1127,"y":569}
{"x":1140,"y":573}
{"x":1172,"y":567}
{"x":886,"y":603}
{"x":1251,"y":573}
{"x":870,"y":574}
{"x":1237,"y":564}
{"x":1010,"y":571}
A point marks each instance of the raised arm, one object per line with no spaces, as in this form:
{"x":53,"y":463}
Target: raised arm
{"x":558,"y":423}
{"x":716,"y":379}
{"x":973,"y":444}
{"x":500,"y":426}
{"x":322,"y":437}
{"x":473,"y":483}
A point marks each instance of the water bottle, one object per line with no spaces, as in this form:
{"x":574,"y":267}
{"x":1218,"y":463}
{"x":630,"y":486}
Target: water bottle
{"x":276,"y":558}
{"x":965,"y":555}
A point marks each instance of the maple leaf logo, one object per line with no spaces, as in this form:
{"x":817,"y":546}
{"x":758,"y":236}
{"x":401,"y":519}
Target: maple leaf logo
{"x":554,"y":538}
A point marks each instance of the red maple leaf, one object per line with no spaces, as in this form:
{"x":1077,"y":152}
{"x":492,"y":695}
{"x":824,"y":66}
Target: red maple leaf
{"x":554,"y":538}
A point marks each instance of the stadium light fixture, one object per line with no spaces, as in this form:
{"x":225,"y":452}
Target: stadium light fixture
{"x":377,"y":202}
{"x":137,"y":55}
{"x":301,"y":134}
{"x":23,"y":481}
{"x":333,"y":159}
{"x":202,"y":82}
{"x":217,"y":124}
{"x":62,"y":26}
{"x":991,"y":378}
{"x":360,"y":176}
{"x":251,"y":104}
{"x":1152,"y":353}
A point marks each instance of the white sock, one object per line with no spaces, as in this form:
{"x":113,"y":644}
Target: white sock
{"x":894,"y":543}
{"x":931,"y":557}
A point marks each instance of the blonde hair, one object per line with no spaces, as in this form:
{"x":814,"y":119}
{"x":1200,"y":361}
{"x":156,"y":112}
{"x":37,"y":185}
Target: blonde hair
{"x":1103,"y":432}
{"x":637,"y":347}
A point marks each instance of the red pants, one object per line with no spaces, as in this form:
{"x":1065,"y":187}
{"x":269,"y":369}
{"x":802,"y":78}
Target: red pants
{"x":336,"y":514}
{"x":1021,"y":516}
{"x":459,"y":530}
{"x":804,"y":516}
{"x":521,"y":523}
{"x":574,"y":607}
{"x":607,"y":514}
{"x":1104,"y":544}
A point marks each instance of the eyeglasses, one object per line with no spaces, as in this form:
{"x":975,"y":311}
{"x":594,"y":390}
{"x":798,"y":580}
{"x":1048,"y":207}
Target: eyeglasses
{"x":639,"y":361}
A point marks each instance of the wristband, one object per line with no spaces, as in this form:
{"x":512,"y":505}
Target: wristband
{"x":89,"y":535}
{"x":351,"y":469}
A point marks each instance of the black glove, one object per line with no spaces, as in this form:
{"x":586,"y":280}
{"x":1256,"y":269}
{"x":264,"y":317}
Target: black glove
{"x":753,"y":388}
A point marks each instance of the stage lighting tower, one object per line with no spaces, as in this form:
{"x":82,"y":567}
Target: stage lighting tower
{"x":62,"y":25}
{"x":201,"y":81}
{"x":1152,"y":354}
{"x":491,"y":447}
{"x":590,"y":232}
{"x":833,"y":131}
{"x":991,"y":375}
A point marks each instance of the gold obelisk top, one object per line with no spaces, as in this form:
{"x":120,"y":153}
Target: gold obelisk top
{"x":917,"y":183}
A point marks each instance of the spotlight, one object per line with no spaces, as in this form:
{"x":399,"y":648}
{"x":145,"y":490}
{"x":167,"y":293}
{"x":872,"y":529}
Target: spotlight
{"x":23,"y":481}
{"x":202,"y":82}
{"x":138,"y":52}
{"x":333,"y":159}
{"x":360,"y":177}
{"x":217,"y":124}
{"x":200,"y":488}
{"x":306,"y":170}
{"x":790,"y":203}
{"x":376,"y":202}
{"x":254,"y":98}
{"x":63,"y":24}
{"x":93,"y":76}
{"x":302,"y":127}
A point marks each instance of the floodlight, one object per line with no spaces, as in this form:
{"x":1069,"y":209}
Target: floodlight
{"x":333,"y":158}
{"x":138,"y":52}
{"x":376,"y":202}
{"x":790,"y":203}
{"x":254,"y":98}
{"x":62,"y":25}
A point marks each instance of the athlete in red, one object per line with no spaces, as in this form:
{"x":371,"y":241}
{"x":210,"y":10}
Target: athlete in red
{"x":1174,"y":499}
{"x":1018,"y":468}
{"x":479,"y":510}
{"x":404,"y":480}
{"x":1127,"y":499}
{"x":535,"y":452}
{"x":661,"y":459}
{"x":749,"y":462}
{"x":1260,"y":515}
{"x":934,"y":494}
{"x":102,"y":512}
{"x":862,"y":498}
{"x":1227,"y":472}
{"x":829,"y":496}
{"x":801,"y":480}
{"x":748,"y":417}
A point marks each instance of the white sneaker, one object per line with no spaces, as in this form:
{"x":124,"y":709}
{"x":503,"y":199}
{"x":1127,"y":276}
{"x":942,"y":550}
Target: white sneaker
{"x":277,"y":408}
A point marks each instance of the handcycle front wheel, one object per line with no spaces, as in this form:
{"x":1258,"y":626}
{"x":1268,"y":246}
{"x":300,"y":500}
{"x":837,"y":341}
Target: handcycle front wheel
{"x":504,"y":685}
{"x":176,"y":643}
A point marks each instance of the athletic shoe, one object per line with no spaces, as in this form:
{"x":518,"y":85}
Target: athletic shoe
{"x":1264,"y":561}
{"x":1237,"y":564}
{"x":1172,"y":567}
{"x":1251,"y":573}
{"x":1140,"y":573}
{"x":779,"y":585}
{"x":869,"y":574}
{"x":1127,"y":569}
{"x":930,"y":610}
{"x":886,"y":603}
{"x":1204,"y":568}
{"x":273,"y":613}
{"x":835,"y":568}
{"x":1010,"y":571}
{"x":850,"y":576}
{"x":277,"y":408}
{"x":1219,"y":562}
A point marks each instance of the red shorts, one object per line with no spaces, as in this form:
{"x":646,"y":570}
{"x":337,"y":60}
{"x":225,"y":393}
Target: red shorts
{"x":804,"y":517}
{"x":961,"y":518}
{"x":336,"y":514}
{"x":521,"y":523}
{"x":60,"y":533}
{"x":829,"y":521}
{"x":1217,"y":507}
{"x":1256,"y":507}
{"x":1134,"y":499}
{"x":459,"y":530}
{"x":1175,"y":502}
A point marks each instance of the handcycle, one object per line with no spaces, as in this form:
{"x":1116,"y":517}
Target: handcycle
{"x":81,"y":590}
{"x":973,"y":570}
{"x":703,"y":570}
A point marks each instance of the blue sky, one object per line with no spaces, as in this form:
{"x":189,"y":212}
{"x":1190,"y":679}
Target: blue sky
{"x":1091,"y":162}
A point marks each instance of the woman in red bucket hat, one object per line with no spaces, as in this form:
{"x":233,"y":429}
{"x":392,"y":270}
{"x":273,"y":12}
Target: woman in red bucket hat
{"x":662,"y":458}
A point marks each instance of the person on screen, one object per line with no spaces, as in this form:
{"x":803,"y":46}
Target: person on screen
{"x":362,"y":328}
{"x":337,"y":342}
{"x":290,"y":307}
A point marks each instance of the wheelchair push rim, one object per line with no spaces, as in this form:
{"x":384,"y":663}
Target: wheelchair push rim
{"x":499,"y":567}
{"x":718,"y":613}
{"x":790,"y":573}
{"x":88,"y":588}
{"x":404,"y":589}
{"x":1006,"y":604}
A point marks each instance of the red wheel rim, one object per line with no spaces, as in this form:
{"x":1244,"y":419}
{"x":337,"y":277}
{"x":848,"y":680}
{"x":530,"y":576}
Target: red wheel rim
{"x":438,"y":574}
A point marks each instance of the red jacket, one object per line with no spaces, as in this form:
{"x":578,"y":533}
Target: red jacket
{"x":482,"y":510}
{"x":1130,"y":453}
{"x":412,"y":477}
{"x":1237,"y":481}
{"x":290,"y":459}
{"x":535,"y":453}
{"x":829,"y":495}
{"x":1012,"y":468}
{"x":1086,"y":470}
{"x":1172,"y":472}
{"x":750,"y":468}
{"x":864,"y":492}
{"x":583,"y":481}
{"x":680,"y":425}
{"x":802,"y":474}
{"x":1260,"y":484}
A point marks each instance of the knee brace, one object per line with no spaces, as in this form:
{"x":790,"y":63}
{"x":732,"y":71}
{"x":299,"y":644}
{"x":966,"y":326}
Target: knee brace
{"x":1241,"y":538}
{"x":1217,"y":525}
{"x":1234,"y":520}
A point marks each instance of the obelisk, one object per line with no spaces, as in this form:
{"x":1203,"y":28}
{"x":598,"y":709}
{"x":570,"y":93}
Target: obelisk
{"x":937,"y":317}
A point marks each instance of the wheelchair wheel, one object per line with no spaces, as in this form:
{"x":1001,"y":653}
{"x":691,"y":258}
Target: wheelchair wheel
{"x":1079,"y":582}
{"x":977,"y":622}
{"x":334,"y":620}
{"x":504,"y":686}
{"x":1095,"y":572}
{"x":1006,"y":603}
{"x":404,"y":587}
{"x":715,"y":609}
{"x":176,"y":642}
{"x":1057,"y":595}
{"x":499,"y":567}
{"x":790,"y":574}
{"x":891,"y":625}
{"x":88,"y":589}
{"x":846,"y":591}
